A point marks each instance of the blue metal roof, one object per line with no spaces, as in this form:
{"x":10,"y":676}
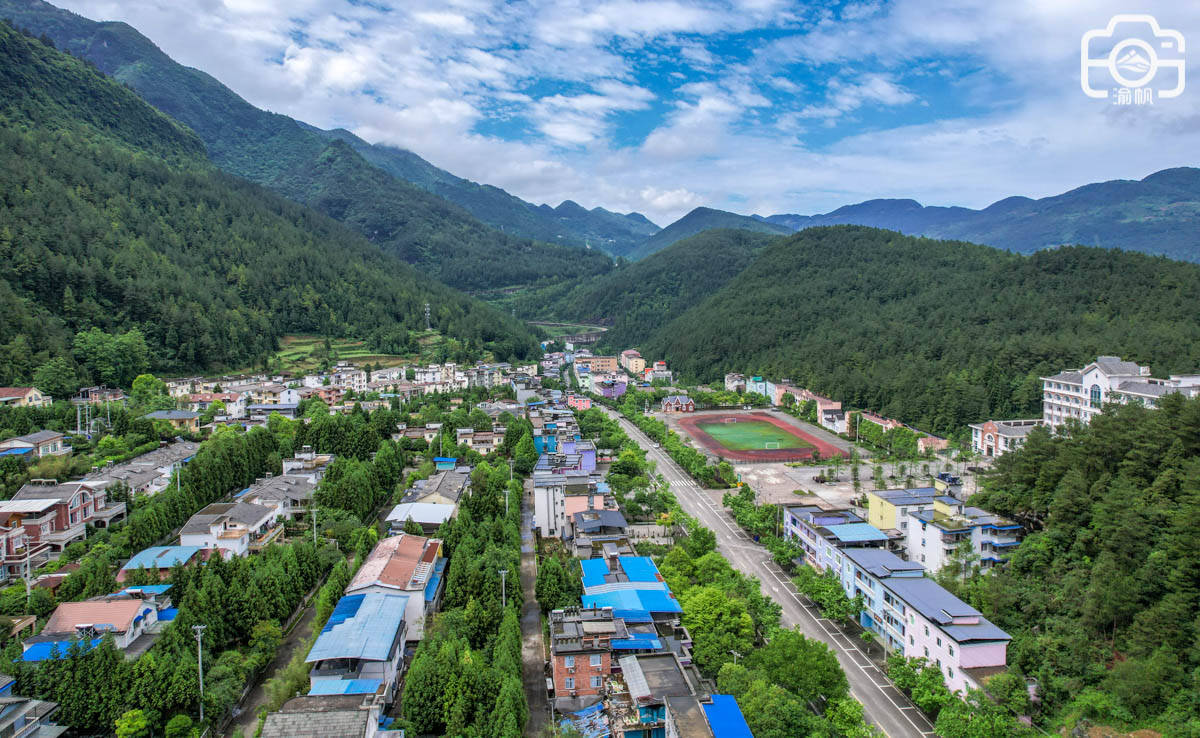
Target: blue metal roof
{"x":636,"y":602}
{"x":167,"y":614}
{"x":155,"y":589}
{"x":857,"y":533}
{"x":639,"y":568}
{"x":345,"y":686}
{"x":725,"y":718}
{"x":594,"y":571}
{"x":16,"y":451}
{"x":362,"y":626}
{"x":638,"y":642}
{"x":161,"y":557}
{"x":46,"y":650}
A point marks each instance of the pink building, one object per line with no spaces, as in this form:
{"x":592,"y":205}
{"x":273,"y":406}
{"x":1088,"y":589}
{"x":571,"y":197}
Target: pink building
{"x":579,"y":402}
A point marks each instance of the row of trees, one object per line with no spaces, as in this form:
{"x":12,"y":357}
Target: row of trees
{"x":465,"y":679}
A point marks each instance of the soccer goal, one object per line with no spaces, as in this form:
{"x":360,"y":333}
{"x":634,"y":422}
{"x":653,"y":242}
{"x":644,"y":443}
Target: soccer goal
{"x":730,"y":420}
{"x":771,"y":445}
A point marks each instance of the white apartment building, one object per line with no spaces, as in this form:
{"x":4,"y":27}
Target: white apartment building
{"x":933,"y":534}
{"x":1082,"y":394}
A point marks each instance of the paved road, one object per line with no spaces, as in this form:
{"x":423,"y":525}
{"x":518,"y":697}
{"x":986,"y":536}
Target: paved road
{"x":247,"y":719}
{"x":533,"y":658}
{"x":883,"y":704}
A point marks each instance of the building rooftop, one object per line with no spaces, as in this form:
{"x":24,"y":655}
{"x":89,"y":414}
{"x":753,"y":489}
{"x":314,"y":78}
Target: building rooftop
{"x":914,"y":496}
{"x":880,"y":562}
{"x":172,"y":415}
{"x":428,"y":513}
{"x":629,"y":569}
{"x":725,"y":717}
{"x":634,"y":605}
{"x":115,"y":615}
{"x":325,"y":716}
{"x":856,"y":533}
{"x":161,"y":557}
{"x":654,"y":677}
{"x":41,"y":490}
{"x":402,"y":562}
{"x":689,"y":717}
{"x":940,"y":606}
{"x":362,"y":626}
{"x":41,"y":436}
{"x":1012,"y":428}
{"x":593,"y":520}
{"x":240,"y":513}
{"x":448,"y":484}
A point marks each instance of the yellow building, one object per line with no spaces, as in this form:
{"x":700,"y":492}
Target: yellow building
{"x":888,"y":509}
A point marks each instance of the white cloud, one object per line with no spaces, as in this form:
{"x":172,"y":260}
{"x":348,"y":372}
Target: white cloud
{"x":738,"y":128}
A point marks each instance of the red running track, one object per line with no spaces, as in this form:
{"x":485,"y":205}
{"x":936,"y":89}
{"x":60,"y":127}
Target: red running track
{"x":689,"y":424}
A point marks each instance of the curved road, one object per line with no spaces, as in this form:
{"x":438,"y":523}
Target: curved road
{"x":883,"y":705}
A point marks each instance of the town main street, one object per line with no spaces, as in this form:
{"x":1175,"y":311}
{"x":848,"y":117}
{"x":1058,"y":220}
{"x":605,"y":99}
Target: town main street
{"x":883,"y":704}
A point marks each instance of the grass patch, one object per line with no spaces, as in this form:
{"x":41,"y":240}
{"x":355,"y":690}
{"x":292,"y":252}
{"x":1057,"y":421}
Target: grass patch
{"x":752,"y":435}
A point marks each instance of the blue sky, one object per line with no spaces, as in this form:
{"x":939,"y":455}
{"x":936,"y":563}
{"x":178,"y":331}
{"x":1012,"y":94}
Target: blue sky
{"x":660,"y":106}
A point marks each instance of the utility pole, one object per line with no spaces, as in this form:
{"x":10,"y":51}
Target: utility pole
{"x":199,"y":631}
{"x":504,"y":588}
{"x":736,"y":655}
{"x":314,"y":517}
{"x":428,"y":326}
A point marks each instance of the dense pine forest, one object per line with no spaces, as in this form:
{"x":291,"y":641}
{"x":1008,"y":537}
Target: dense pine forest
{"x":936,"y":333}
{"x":111,"y":219}
{"x":1103,"y":597}
{"x":287,"y":156}
{"x":638,"y":297}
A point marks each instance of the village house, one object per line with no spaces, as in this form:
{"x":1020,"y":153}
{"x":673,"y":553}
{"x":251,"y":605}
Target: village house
{"x":445,"y":488}
{"x":74,"y":506}
{"x":127,"y":619}
{"x":36,"y":445}
{"x":409,"y":565}
{"x":149,"y":473}
{"x":428,"y":515}
{"x":234,"y":528}
{"x":159,"y":560}
{"x":935,"y":533}
{"x":289,"y":495}
{"x":678,"y":404}
{"x":997,"y":437}
{"x":362,"y":640}
{"x":24,"y":397}
{"x":183,"y":420}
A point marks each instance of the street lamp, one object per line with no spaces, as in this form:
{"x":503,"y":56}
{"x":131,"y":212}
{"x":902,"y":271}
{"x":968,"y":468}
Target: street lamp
{"x":199,"y":631}
{"x":504,"y":588}
{"x":736,"y":655}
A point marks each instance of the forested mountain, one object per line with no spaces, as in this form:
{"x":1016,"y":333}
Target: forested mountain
{"x":937,"y":333}
{"x":113,"y":222}
{"x":639,"y":297}
{"x":568,"y":224}
{"x":703,"y":219}
{"x":1102,"y":598}
{"x":1159,"y":214}
{"x":292,"y":159}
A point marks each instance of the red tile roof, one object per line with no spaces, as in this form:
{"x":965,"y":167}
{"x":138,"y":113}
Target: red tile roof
{"x":117,"y":613}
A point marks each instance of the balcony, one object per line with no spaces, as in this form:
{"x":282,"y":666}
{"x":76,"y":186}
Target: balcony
{"x":106,"y":515}
{"x":60,"y":538}
{"x":37,"y":553}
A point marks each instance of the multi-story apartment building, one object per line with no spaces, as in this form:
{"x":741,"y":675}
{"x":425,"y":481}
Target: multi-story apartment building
{"x":1081,"y":394}
{"x":935,"y":533}
{"x":916,"y":617}
{"x":889,"y":509}
{"x":632,"y":361}
{"x":822,"y":533}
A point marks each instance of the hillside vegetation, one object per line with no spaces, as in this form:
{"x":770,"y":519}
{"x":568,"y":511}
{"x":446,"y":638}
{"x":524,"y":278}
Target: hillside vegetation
{"x":99,"y":231}
{"x":937,"y":333}
{"x":1103,"y":598}
{"x":302,"y":164}
{"x":639,"y":297}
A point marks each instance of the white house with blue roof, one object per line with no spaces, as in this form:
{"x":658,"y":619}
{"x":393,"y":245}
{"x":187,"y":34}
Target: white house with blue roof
{"x":933,"y":534}
{"x":363,"y":644}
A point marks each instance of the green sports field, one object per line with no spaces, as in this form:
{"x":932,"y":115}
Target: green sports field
{"x":750,"y":435}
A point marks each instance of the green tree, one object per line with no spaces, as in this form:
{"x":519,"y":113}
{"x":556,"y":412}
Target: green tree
{"x":133,"y":724}
{"x":805,"y":667}
{"x":56,"y":378}
{"x":719,"y":626}
{"x":525,"y":456}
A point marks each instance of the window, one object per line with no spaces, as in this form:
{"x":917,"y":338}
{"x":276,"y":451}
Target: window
{"x":596,"y":659}
{"x":939,"y":663}
{"x":568,"y":661}
{"x":569,"y":683}
{"x":926,"y":654}
{"x":595,"y":682}
{"x":910,"y":641}
{"x":939,"y":641}
{"x":951,"y":648}
{"x":926,"y":634}
{"x":1095,"y":395}
{"x":950,"y":671}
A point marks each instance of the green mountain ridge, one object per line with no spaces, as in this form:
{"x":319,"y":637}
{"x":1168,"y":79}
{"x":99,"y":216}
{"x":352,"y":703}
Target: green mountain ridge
{"x":1159,"y":214}
{"x":278,"y":152}
{"x":568,"y":224}
{"x":935,"y":333}
{"x":113,"y":219}
{"x":704,"y":219}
